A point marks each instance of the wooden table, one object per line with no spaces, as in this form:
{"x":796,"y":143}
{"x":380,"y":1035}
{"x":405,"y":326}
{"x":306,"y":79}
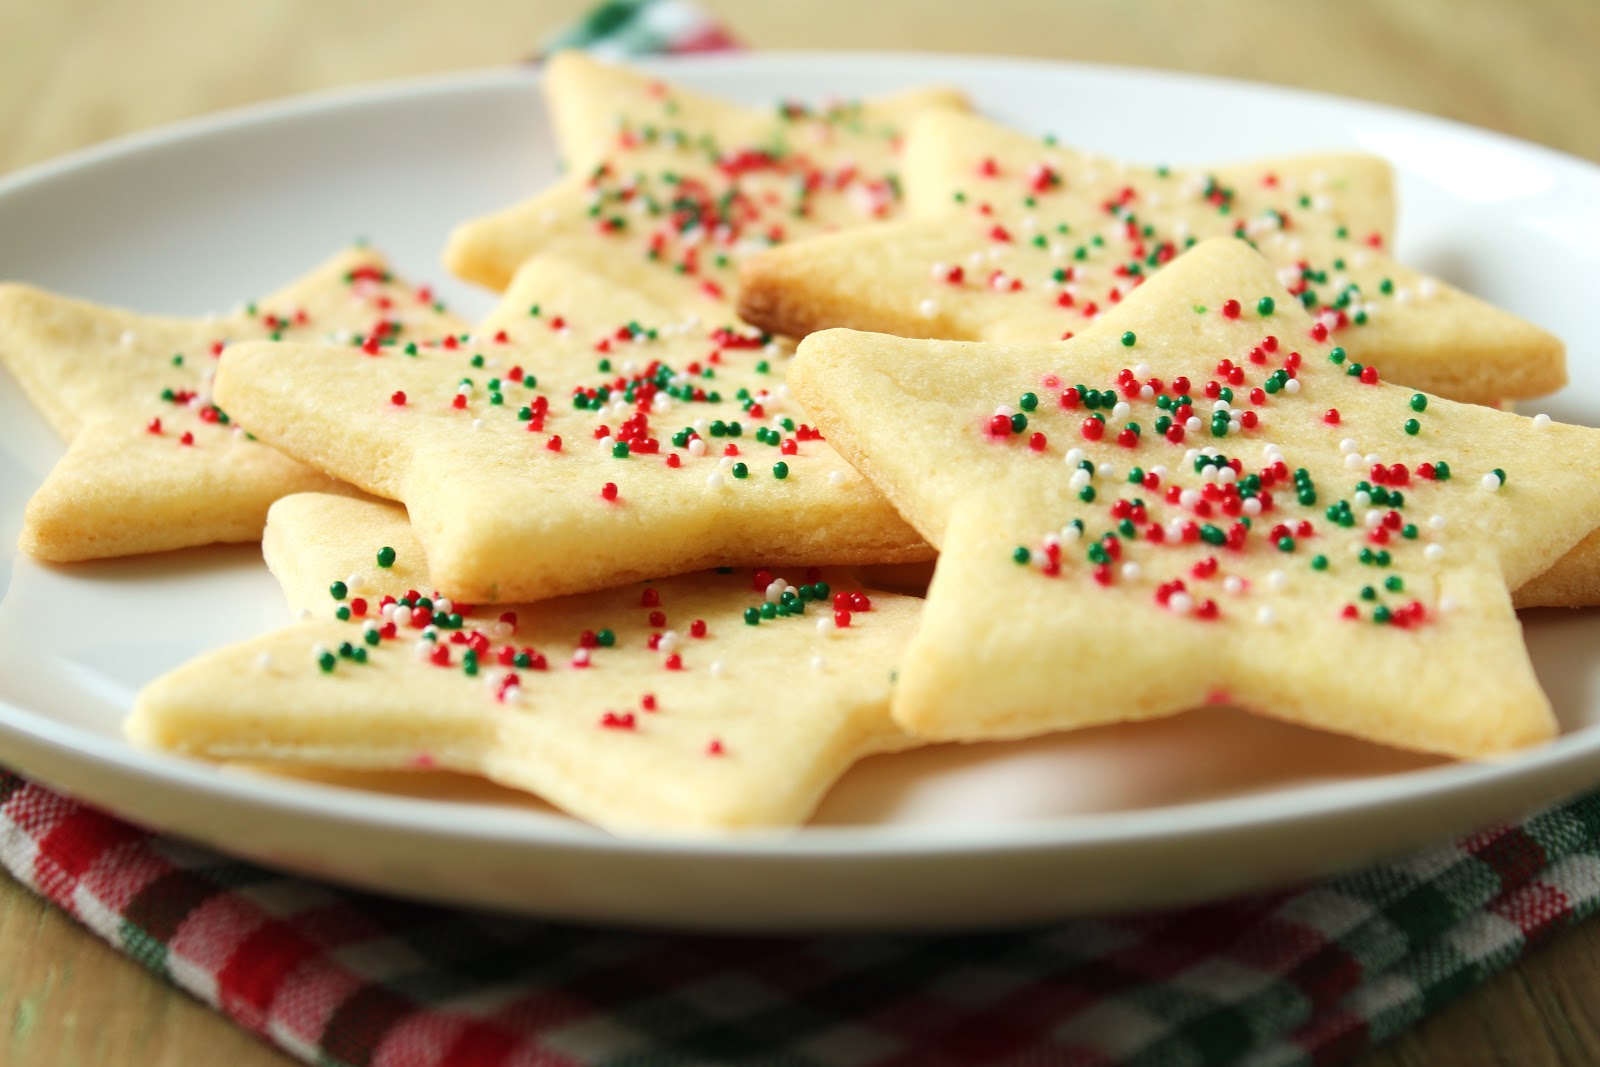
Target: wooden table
{"x":79,"y":71}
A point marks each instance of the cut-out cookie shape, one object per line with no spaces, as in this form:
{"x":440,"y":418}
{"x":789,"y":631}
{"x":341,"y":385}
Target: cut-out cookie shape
{"x":667,"y":191}
{"x":703,"y":703}
{"x":152,"y":463}
{"x":583,"y":438}
{"x":1200,"y":499}
{"x":1011,"y":238}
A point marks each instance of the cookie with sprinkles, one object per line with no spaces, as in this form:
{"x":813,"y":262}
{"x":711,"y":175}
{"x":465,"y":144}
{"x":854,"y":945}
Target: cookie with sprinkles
{"x":1197,"y":500}
{"x":583,"y":437}
{"x":648,"y":708}
{"x":667,"y":191}
{"x":153,"y":463}
{"x":1013,"y":238}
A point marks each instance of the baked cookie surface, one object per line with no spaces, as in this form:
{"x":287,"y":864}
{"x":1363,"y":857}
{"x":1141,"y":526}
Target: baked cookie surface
{"x":706,"y":703}
{"x":152,"y":462}
{"x":1013,"y":238}
{"x":1200,"y":498}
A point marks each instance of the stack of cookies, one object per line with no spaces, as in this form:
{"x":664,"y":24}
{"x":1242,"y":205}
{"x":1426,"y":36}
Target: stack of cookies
{"x":1174,"y":438}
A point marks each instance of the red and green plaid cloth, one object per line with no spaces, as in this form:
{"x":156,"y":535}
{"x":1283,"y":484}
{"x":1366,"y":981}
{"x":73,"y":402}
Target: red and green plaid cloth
{"x":1309,"y":975}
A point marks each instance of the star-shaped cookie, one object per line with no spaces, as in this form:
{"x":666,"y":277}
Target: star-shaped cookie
{"x":1012,"y":238}
{"x":152,"y":463}
{"x":667,"y":191}
{"x":1197,"y":499}
{"x":649,"y":708}
{"x":583,"y":438}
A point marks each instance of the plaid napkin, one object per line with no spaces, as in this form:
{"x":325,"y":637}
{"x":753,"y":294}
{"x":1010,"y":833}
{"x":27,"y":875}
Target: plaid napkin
{"x":1310,"y":975}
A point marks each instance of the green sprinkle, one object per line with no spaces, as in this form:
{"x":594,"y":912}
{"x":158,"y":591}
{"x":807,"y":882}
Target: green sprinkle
{"x":1368,"y":593}
{"x":606,"y":638}
{"x":1419,"y":402}
{"x":619,"y":449}
{"x":372,"y":637}
{"x":1129,"y":339}
{"x":1086,"y":494}
{"x":1394,"y":583}
{"x":1413,"y":427}
{"x":338,"y":590}
{"x":1336,"y":356}
{"x":1319,"y":563}
{"x":769,"y":610}
{"x":1028,"y":402}
{"x":326,"y":662}
{"x":1382,"y":614}
{"x":1441,"y":471}
{"x":343,"y":614}
{"x":1021,"y":554}
{"x":1019,"y":422}
{"x":1265,"y":306}
{"x":740,"y":470}
{"x":780,"y":470}
{"x":751,"y":616}
{"x":1285,"y":544}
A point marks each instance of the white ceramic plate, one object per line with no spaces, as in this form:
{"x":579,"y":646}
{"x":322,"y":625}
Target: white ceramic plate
{"x":206,"y":214}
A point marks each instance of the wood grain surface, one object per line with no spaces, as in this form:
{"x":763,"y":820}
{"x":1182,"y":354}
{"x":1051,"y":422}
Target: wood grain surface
{"x":74,"y":72}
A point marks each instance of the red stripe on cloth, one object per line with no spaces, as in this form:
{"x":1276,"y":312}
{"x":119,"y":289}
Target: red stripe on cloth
{"x":1510,"y":852}
{"x":34,"y":810}
{"x":127,"y":873}
{"x":1323,"y":970}
{"x":72,"y":846}
{"x":160,"y":908}
{"x":356,"y":1029}
{"x":249,"y":981}
{"x":1015,"y":1025}
{"x":212,"y":933}
{"x":309,"y":996}
{"x":481,"y":1044}
{"x":1535,"y":908}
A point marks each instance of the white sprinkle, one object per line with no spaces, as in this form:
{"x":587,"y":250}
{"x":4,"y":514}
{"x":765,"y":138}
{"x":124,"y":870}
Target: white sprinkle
{"x":1189,"y":498}
{"x":1541,"y":420}
{"x":1292,"y":386}
{"x":717,"y":668}
{"x":1220,"y":405}
{"x":1361,"y":498}
{"x":1120,"y":411}
{"x":1491,"y":482}
{"x":603,"y":444}
{"x":1348,"y":445}
{"x":444,"y":604}
{"x":938,"y":271}
{"x":775,"y":590}
{"x":1159,"y":471}
{"x":1107,"y":470}
{"x":511,"y":694}
{"x":816,"y":664}
{"x":1433,"y":553}
{"x":422,"y":648}
{"x":1233,"y":585}
{"x":127,"y":339}
{"x":1071,"y":532}
{"x":580,"y":657}
{"x":1353,"y":462}
{"x":1141,"y":370}
{"x":1130,"y":570}
{"x":1192,"y":424}
{"x":836,"y":477}
{"x":1372,"y":457}
{"x":1437,"y":522}
{"x":1075,"y":456}
{"x":697,"y":446}
{"x":826,"y":626}
{"x":1265,"y":615}
{"x":1226,"y":475}
{"x":1146,"y":392}
{"x":1374,"y":518}
{"x":1447,"y":604}
{"x":668,"y":642}
{"x":1427,"y":287}
{"x":928,"y":308}
{"x":1277,"y":581}
{"x":1181,"y":603}
{"x":1251,"y":507}
{"x":1079,"y":478}
{"x":725,"y":462}
{"x":356,"y":583}
{"x":264,"y":661}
